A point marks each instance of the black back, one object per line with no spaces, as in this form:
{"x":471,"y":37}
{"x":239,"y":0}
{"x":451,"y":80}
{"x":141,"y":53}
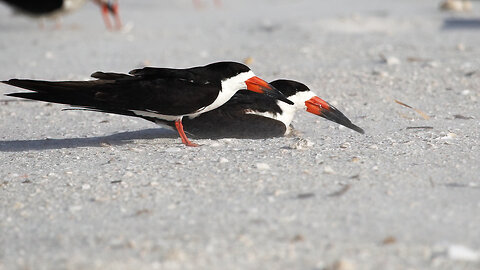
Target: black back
{"x":36,"y":7}
{"x":210,"y":74}
{"x":159,"y":90}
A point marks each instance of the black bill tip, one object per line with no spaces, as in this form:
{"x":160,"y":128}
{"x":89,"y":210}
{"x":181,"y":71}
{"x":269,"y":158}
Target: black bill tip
{"x":333,"y":114}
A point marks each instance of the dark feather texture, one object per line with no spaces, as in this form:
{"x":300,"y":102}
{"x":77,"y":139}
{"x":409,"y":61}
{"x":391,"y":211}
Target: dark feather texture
{"x":159,"y":90}
{"x":36,"y":7}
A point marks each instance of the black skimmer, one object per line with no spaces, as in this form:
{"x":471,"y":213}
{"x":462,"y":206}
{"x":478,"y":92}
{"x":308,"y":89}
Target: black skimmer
{"x":55,"y":8}
{"x":155,"y":94}
{"x":249,"y":115}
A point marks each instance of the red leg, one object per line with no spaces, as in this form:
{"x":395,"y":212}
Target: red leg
{"x":106,"y":19}
{"x":179,"y":126}
{"x":198,"y":4}
{"x":118,"y":22}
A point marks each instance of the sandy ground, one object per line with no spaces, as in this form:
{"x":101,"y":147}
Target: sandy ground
{"x":82,"y":190}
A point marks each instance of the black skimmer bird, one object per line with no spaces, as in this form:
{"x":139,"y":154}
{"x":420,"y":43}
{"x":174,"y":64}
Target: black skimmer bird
{"x":155,"y":94}
{"x":249,"y":115}
{"x":55,"y":8}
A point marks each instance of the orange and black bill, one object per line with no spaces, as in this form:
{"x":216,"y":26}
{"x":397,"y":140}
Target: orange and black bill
{"x":258,"y":85}
{"x":321,"y":108}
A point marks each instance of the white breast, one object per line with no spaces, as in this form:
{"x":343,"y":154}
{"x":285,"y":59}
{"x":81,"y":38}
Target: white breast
{"x":288,"y":111}
{"x":229,"y":87}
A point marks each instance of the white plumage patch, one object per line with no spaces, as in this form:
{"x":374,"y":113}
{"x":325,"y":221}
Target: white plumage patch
{"x":157,"y":115}
{"x":288,"y":111}
{"x":229,"y":87}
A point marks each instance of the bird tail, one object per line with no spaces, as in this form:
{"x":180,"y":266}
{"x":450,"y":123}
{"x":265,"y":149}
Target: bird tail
{"x":76,"y":93}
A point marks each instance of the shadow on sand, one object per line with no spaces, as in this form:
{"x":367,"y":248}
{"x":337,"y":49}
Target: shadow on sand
{"x":98,"y":141}
{"x":461,"y":24}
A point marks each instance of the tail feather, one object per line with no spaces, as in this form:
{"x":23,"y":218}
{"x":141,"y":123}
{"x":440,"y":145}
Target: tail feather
{"x":75,"y":93}
{"x":50,"y":87}
{"x":83,"y":104}
{"x":61,"y":99}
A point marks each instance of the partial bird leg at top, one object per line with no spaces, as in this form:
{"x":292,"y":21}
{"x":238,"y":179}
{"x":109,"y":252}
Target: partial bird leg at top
{"x":198,"y":4}
{"x":114,"y":10}
{"x":107,"y":8}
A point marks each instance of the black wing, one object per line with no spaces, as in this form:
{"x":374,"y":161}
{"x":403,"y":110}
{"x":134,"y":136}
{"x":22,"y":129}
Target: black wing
{"x":36,"y":7}
{"x":233,"y":124}
{"x":250,"y":101}
{"x":150,"y":89}
{"x":231,"y":120}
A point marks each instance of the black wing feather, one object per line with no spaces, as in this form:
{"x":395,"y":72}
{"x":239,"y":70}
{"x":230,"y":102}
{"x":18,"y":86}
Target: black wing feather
{"x":230,"y":124}
{"x":193,"y":75}
{"x":154,"y":90}
{"x":247,"y":100}
{"x":36,"y":7}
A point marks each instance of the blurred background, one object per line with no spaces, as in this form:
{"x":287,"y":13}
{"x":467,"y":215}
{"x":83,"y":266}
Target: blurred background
{"x":278,"y":37}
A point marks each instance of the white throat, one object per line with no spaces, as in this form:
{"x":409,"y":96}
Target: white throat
{"x":230,"y":86}
{"x":288,"y":111}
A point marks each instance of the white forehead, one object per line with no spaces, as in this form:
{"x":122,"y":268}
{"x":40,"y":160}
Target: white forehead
{"x":300,"y":97}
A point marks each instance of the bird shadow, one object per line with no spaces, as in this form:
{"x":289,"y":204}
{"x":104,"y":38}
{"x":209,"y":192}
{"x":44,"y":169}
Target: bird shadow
{"x":120,"y":138}
{"x":461,"y":23}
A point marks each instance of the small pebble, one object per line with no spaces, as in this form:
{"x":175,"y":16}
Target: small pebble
{"x":373,"y":146}
{"x":263,"y":166}
{"x":128,"y":174}
{"x":380,"y":73}
{"x":48,"y":55}
{"x":301,"y":144}
{"x":345,"y":145}
{"x":172,"y":150}
{"x":216,"y":144}
{"x":248,"y":60}
{"x":328,"y":170}
{"x":462,"y":253}
{"x":432,"y":64}
{"x":456,"y":5}
{"x":75,"y":208}
{"x":389,"y":240}
{"x":223,"y":160}
{"x":342,"y":265}
{"x":391,"y":61}
{"x":449,"y":136}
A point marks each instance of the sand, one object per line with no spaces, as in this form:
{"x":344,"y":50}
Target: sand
{"x":84,"y":190}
